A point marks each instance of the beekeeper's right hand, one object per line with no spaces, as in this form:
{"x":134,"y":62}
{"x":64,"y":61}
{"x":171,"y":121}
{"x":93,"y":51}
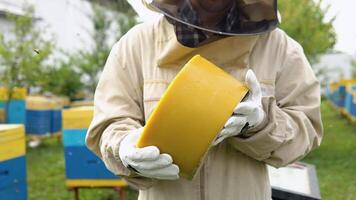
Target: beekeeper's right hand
{"x":147,"y":161}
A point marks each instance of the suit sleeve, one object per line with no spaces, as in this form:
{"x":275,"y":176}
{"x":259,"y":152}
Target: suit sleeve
{"x":293,"y":126}
{"x":118,"y":109}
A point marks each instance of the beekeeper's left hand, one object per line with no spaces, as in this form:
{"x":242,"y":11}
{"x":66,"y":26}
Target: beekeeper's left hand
{"x":247,"y":114}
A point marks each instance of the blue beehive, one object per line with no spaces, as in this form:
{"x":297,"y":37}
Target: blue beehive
{"x":331,"y":92}
{"x":56,"y":116}
{"x":13,"y":111}
{"x":341,"y":94}
{"x":2,"y":112}
{"x":38,"y":115}
{"x":83,"y":167}
{"x":350,"y":101}
{"x":12,"y":163}
{"x":17,"y":112}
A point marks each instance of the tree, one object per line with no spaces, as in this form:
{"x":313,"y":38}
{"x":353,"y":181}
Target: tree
{"x":23,"y":52}
{"x":90,"y":62}
{"x":304,"y":20}
{"x":62,"y":80}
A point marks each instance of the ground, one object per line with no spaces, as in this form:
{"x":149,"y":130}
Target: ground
{"x":335,"y":162}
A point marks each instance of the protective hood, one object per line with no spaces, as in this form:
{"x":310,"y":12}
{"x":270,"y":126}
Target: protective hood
{"x":239,"y":17}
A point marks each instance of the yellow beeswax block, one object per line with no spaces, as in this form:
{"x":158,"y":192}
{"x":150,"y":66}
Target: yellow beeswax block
{"x":12,"y":141}
{"x":77,"y":118}
{"x":191,"y":113}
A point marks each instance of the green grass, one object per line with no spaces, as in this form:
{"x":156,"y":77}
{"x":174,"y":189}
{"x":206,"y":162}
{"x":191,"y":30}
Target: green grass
{"x":45,"y":174}
{"x":335,"y":161}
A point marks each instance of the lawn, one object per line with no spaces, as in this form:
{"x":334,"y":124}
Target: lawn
{"x":45,"y":173}
{"x":336,"y":158}
{"x":335,"y":161}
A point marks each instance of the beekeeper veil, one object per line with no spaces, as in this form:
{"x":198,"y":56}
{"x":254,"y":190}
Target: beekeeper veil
{"x":240,"y":17}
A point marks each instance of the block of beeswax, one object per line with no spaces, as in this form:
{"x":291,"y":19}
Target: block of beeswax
{"x":191,"y":113}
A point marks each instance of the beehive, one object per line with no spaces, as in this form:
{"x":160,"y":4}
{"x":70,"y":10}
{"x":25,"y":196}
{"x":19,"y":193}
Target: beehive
{"x":350,"y":100}
{"x":83,"y":167}
{"x":14,"y":109}
{"x":332,"y":92}
{"x":191,"y":112}
{"x":2,"y":112}
{"x":56,"y":115}
{"x":65,"y":101}
{"x":12,"y":162}
{"x":82,"y":103}
{"x":341,"y":95}
{"x":38,"y":115}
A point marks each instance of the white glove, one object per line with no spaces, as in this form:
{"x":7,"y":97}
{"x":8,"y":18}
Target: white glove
{"x":147,"y":161}
{"x":247,"y":114}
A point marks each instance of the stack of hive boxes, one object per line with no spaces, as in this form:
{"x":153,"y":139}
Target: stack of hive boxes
{"x":13,"y":111}
{"x":350,"y":101}
{"x":12,"y":162}
{"x":331,"y":92}
{"x":340,"y":103}
{"x":56,"y":116}
{"x":342,"y":95}
{"x":2,"y":112}
{"x":38,"y":115}
{"x":81,"y":103}
{"x":83,"y":168}
{"x":65,"y":101}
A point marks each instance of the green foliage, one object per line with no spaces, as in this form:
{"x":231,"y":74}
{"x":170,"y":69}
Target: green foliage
{"x":304,"y":20}
{"x":62,"y":80}
{"x":90,"y":61}
{"x":23,"y":52}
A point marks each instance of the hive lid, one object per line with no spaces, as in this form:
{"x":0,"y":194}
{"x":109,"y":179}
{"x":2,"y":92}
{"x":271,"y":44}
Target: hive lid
{"x":191,"y":112}
{"x":82,"y":103}
{"x":17,"y":93}
{"x":12,"y":141}
{"x":77,"y":118}
{"x":39,"y":103}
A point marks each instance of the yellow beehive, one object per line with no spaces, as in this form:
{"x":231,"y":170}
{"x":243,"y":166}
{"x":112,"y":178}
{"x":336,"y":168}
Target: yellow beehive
{"x":77,"y":118}
{"x":82,"y":103}
{"x":333,"y":86}
{"x":3,"y":94}
{"x":65,"y":101}
{"x":39,"y":103}
{"x":191,"y":112}
{"x":17,"y":93}
{"x":2,"y":115}
{"x":12,"y":141}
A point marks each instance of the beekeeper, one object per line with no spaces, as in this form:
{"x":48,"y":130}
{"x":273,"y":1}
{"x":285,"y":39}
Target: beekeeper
{"x":277,"y":124}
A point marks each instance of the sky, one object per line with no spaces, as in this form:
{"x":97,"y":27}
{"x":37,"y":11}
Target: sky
{"x":344,"y":24}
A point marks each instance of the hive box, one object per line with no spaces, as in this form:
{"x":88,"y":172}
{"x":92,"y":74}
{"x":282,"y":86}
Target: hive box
{"x":191,"y":113}
{"x":83,"y":167}
{"x":2,"y":112}
{"x":13,"y":111}
{"x":56,"y":115}
{"x":294,"y":182}
{"x":38,"y":115}
{"x":350,"y":101}
{"x":12,"y":162}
